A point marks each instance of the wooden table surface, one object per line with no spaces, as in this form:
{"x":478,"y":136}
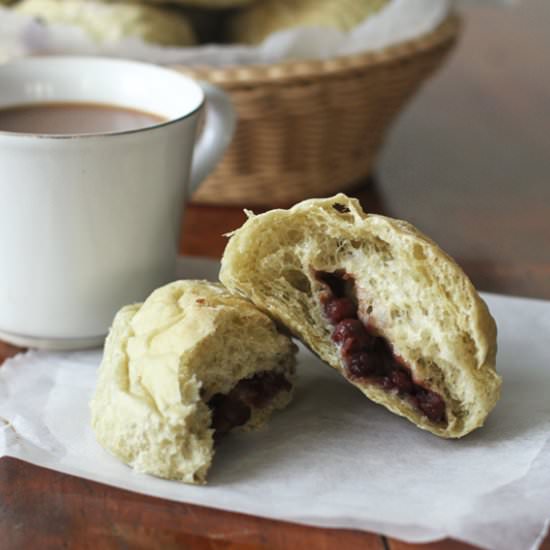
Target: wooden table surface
{"x":469,"y":163}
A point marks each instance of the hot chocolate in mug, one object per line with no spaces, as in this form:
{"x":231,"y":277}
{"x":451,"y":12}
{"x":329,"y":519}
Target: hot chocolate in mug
{"x":91,"y":215}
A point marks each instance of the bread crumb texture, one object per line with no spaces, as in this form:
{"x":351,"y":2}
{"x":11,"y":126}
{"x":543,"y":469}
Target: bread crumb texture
{"x":416,"y":295}
{"x":163,"y":362}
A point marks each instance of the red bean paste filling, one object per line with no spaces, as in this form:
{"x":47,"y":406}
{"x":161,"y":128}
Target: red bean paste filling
{"x":368,"y":357}
{"x":234,"y":409}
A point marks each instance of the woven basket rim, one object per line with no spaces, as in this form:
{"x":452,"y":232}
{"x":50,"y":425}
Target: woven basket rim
{"x":447,"y":31}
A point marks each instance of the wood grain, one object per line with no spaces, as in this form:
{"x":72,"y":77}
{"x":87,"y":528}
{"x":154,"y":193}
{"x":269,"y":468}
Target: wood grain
{"x":469,"y":163}
{"x":45,"y":509}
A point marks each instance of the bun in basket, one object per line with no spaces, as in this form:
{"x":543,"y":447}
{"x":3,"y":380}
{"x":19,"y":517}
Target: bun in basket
{"x":255,"y":23}
{"x":188,"y":365}
{"x":212,"y":4}
{"x":106,"y":22}
{"x":378,"y":301}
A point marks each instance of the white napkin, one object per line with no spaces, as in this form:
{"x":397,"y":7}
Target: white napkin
{"x":332,"y":459}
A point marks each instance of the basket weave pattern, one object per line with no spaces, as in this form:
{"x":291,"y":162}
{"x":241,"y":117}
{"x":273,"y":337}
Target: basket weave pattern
{"x":314,"y":128}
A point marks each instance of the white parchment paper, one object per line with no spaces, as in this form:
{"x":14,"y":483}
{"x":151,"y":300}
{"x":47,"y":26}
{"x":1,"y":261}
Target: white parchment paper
{"x":332,"y":459}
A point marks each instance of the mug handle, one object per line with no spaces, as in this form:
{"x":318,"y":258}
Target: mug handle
{"x":217,"y":133}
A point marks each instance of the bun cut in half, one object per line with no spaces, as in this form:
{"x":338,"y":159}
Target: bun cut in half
{"x":378,"y":301}
{"x":185,"y":367}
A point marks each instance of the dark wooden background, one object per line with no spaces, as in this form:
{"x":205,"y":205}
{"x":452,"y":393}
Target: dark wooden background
{"x":469,"y":163}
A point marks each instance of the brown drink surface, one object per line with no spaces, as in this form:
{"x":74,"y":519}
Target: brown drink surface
{"x":74,"y":118}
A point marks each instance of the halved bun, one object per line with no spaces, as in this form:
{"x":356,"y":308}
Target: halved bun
{"x":190,"y":363}
{"x":418,"y":339}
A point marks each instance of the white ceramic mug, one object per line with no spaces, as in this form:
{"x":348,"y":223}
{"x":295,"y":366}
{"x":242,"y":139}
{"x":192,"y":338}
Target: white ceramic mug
{"x":89,"y":223}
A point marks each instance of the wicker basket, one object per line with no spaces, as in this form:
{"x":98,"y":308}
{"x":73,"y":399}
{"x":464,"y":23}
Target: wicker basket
{"x":314,"y":128}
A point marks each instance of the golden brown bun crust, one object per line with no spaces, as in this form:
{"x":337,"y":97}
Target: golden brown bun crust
{"x":163,"y":362}
{"x":414,"y":293}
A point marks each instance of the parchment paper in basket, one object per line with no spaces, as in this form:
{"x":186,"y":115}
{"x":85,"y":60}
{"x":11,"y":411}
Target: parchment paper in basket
{"x":401,"y":20}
